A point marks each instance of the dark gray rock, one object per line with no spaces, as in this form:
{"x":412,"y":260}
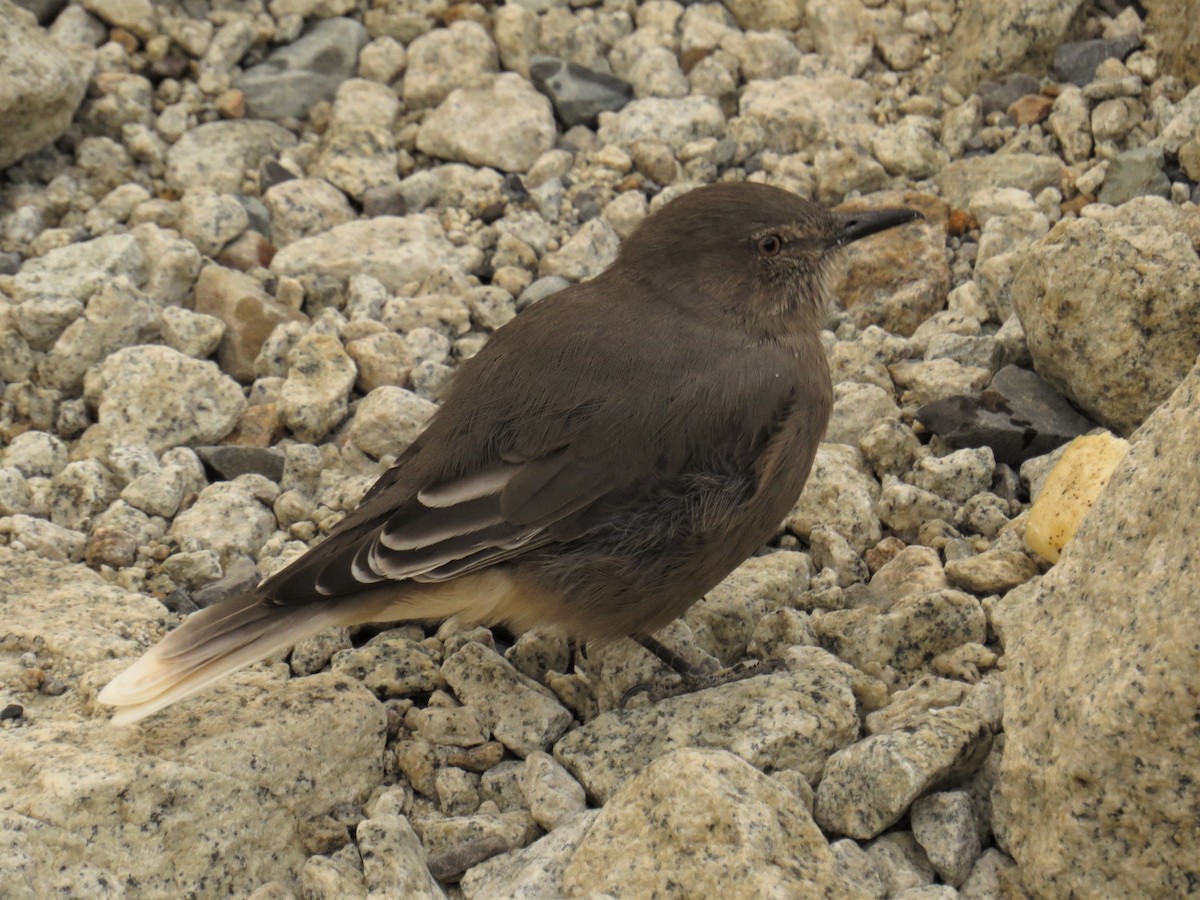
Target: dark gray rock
{"x":1135,"y":173}
{"x":10,"y":263}
{"x":578,"y":94}
{"x":45,"y":10}
{"x":1019,"y":416}
{"x":998,"y":96}
{"x":227,"y":463}
{"x":1076,"y":61}
{"x":302,"y":73}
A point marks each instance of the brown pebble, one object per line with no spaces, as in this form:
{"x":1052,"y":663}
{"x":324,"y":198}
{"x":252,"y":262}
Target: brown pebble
{"x":126,"y":39}
{"x":960,"y":222}
{"x":232,"y":104}
{"x":1075,"y":204}
{"x":450,"y":865}
{"x":259,"y":426}
{"x":882,"y":553}
{"x":1030,"y":109}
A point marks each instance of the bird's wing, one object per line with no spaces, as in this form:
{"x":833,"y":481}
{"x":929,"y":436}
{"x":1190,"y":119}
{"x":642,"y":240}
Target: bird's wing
{"x":511,"y":464}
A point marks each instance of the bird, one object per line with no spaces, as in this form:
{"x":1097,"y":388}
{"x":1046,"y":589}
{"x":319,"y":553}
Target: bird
{"x":606,"y":458}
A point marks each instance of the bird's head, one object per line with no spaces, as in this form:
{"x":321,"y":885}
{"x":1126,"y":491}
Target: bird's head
{"x":751,"y":249}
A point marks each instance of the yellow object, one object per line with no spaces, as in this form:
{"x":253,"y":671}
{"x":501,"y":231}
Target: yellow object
{"x":1070,"y":490}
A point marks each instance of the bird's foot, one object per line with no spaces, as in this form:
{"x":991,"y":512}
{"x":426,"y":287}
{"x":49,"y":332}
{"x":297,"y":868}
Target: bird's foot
{"x":692,"y":680}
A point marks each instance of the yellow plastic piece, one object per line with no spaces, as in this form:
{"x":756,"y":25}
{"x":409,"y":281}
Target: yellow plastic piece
{"x":1070,"y":490}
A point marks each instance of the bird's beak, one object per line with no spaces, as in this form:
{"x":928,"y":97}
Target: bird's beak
{"x":851,"y":226}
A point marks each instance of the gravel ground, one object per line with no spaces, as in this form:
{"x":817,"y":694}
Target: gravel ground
{"x":244,"y":245}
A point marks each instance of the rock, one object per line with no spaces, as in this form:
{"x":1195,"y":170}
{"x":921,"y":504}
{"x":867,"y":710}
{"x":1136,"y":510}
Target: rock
{"x":248,"y":313}
{"x":1175,"y":28}
{"x":357,"y":152}
{"x":1076,"y":61}
{"x":192,"y":334}
{"x":238,"y":764}
{"x":840,"y":493}
{"x":578,"y":94}
{"x":758,"y":718}
{"x":220,"y":155}
{"x":117,"y":315}
{"x":796,"y":111}
{"x":303,"y":72}
{"x":395,"y":250}
{"x":1116,"y":701}
{"x":591,"y":250}
{"x":161,"y":398}
{"x":1019,"y":416}
{"x":532,"y":872}
{"x":457,"y":843}
{"x":388,"y":420}
{"x":769,"y":845}
{"x":675,"y":122}
{"x":75,"y":618}
{"x":724,"y":620}
{"x":520,"y":713}
{"x":869,"y":785}
{"x":1070,"y":491}
{"x":301,"y":207}
{"x":80,"y":270}
{"x":211,"y":220}
{"x":554,"y":797}
{"x":856,"y":408}
{"x":391,"y":666}
{"x":986,"y":42}
{"x":945,"y":826}
{"x":506,"y":125}
{"x":1138,"y":282}
{"x":41,"y":85}
{"x":957,"y":476}
{"x":963,"y":178}
{"x":445,"y":60}
{"x":382,"y":359}
{"x":394,"y":862}
{"x":995,"y":570}
{"x":999,"y":95}
{"x":228,"y":518}
{"x":764,"y":15}
{"x":227,"y":463}
{"x":313,"y":399}
{"x":1135,"y":173}
{"x":899,"y":278}
{"x":905,"y":636}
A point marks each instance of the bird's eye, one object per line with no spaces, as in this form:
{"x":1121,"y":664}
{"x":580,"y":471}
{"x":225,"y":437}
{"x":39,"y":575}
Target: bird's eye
{"x":770,"y":245}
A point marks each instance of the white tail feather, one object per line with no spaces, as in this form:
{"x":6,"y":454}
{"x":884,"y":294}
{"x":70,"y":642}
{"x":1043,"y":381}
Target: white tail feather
{"x":218,"y":641}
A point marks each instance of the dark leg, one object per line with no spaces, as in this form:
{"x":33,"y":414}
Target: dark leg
{"x":692,"y":678}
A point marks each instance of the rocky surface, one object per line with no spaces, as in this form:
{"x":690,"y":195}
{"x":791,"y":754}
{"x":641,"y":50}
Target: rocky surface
{"x":243,"y":247}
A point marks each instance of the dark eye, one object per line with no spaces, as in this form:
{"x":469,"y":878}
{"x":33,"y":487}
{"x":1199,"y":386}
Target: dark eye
{"x":770,"y":244}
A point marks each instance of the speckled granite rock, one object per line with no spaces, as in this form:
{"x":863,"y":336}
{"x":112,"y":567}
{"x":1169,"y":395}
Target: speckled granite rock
{"x":1114,"y":294}
{"x":392,"y":249}
{"x":235,"y":775}
{"x":1097,"y":785}
{"x":41,"y":85}
{"x":790,"y":721}
{"x":718,"y":821}
{"x":988,"y":41}
{"x":869,"y":785}
{"x":159,"y":397}
{"x":521,"y":714}
{"x":910,"y":261}
{"x":532,"y":872}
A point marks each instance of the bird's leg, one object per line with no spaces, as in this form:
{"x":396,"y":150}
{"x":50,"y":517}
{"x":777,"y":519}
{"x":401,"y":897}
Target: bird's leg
{"x":673,"y":660}
{"x":693,"y":678}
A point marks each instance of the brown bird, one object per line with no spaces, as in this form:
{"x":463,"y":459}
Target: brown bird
{"x":605,"y":460}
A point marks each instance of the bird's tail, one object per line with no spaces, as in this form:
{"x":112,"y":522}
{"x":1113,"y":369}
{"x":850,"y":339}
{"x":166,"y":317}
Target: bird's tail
{"x":221,"y":639}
